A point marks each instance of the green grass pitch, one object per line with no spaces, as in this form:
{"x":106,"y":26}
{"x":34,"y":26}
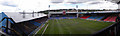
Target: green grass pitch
{"x":73,"y":26}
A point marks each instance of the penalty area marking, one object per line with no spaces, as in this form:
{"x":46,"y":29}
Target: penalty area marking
{"x":45,"y":29}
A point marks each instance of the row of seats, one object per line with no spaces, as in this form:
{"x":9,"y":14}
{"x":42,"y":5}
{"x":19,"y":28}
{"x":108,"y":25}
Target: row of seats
{"x":35,"y":23}
{"x":28,"y":27}
{"x":98,"y":18}
{"x":62,"y":17}
{"x":92,"y":17}
{"x":24,"y":28}
{"x":41,"y":21}
{"x":110,"y":18}
{"x":84,"y":17}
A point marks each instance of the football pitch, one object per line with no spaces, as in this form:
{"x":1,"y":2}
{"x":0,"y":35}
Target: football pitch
{"x":73,"y":26}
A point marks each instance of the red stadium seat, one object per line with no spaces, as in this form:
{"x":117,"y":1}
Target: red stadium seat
{"x":107,"y":18}
{"x":114,"y":18}
{"x":111,"y":18}
{"x":84,"y":17}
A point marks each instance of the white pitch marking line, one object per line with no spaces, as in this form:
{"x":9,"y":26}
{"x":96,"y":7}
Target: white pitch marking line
{"x":45,"y":29}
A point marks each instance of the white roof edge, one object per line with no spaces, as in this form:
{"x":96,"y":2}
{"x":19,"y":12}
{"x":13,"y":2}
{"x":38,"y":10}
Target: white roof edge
{"x":17,"y":17}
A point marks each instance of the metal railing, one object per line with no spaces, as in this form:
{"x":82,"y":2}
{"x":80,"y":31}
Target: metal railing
{"x":111,"y":30}
{"x":11,"y":29}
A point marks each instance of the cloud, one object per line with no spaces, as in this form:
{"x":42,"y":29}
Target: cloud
{"x":87,"y":5}
{"x":41,"y":5}
{"x":56,"y":1}
{"x":8,"y":4}
{"x":73,"y":1}
{"x":21,"y":5}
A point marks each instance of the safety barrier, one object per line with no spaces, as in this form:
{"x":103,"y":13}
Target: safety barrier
{"x":111,"y":30}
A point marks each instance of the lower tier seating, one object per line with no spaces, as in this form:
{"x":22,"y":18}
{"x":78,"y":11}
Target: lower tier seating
{"x":84,"y":17}
{"x":110,"y":18}
{"x":29,"y":26}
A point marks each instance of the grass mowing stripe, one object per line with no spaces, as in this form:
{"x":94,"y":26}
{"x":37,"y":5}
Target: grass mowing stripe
{"x":51,"y":31}
{"x":65,"y":25}
{"x":45,"y":29}
{"x":75,"y":26}
{"x":59,"y":27}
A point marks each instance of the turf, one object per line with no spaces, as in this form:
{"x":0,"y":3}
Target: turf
{"x":73,"y":26}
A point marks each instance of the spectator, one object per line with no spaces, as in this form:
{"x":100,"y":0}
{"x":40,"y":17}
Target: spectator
{"x":118,"y":25}
{"x":118,"y":18}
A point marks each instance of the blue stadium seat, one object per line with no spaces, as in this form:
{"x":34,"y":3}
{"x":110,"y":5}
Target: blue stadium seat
{"x":100,"y":18}
{"x":64,"y":17}
{"x":71,"y":17}
{"x":56,"y":17}
{"x":90,"y":17}
{"x":35,"y":23}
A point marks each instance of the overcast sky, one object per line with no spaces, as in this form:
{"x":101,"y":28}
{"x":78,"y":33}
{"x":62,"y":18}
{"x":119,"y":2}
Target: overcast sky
{"x":41,"y":5}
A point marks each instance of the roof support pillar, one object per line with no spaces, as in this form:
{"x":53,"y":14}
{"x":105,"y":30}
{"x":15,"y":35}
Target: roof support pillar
{"x":77,"y":14}
{"x":49,"y":15}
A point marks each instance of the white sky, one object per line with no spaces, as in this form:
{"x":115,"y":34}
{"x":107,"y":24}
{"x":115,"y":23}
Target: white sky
{"x":41,"y":5}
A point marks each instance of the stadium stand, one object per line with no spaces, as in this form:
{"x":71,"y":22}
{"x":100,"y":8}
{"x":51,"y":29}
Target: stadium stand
{"x":62,"y":17}
{"x":113,"y":19}
{"x":84,"y":17}
{"x":110,"y":18}
{"x":29,"y":25}
{"x":41,"y":21}
{"x":25,"y":27}
{"x":72,"y":17}
{"x":107,"y":18}
{"x":90,"y":18}
{"x":99,"y":18}
{"x":35,"y":23}
{"x":95,"y":17}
